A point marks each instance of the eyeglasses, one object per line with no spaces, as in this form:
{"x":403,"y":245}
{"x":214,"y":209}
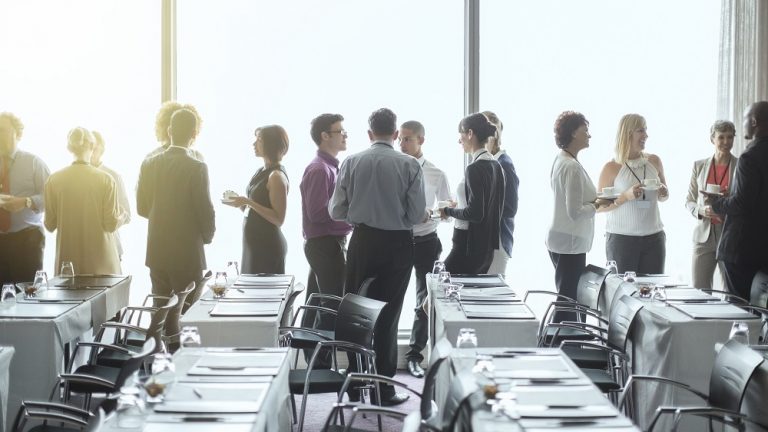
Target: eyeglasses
{"x":343,"y":132}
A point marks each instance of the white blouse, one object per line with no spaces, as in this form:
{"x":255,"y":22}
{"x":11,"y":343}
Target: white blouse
{"x":573,"y":222}
{"x":639,"y":217}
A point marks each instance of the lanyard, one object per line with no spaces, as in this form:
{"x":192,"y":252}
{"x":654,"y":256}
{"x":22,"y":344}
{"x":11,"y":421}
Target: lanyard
{"x":638,"y":178}
{"x":478,"y":155}
{"x":725,"y":173}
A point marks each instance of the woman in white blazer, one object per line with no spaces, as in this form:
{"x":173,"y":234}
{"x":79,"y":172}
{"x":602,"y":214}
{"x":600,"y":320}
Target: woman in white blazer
{"x":715,"y":170}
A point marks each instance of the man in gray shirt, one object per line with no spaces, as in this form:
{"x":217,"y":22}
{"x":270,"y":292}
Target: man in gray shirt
{"x":381,"y":192}
{"x":22,"y":181}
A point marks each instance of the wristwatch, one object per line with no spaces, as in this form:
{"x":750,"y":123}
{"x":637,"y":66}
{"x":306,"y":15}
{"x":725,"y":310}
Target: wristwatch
{"x":28,"y":202}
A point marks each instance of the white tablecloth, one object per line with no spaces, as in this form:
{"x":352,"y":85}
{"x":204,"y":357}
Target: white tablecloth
{"x":6,"y":354}
{"x":231,"y":331}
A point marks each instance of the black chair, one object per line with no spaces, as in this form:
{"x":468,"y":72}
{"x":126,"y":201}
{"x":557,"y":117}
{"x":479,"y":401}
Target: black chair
{"x":290,"y":299}
{"x":199,"y":287}
{"x":735,"y":365}
{"x":591,"y":286}
{"x":358,"y":411}
{"x":758,"y":293}
{"x":172,"y":328}
{"x":355,"y":323}
{"x":66,"y":417}
{"x":551,"y":336}
{"x":761,"y":312}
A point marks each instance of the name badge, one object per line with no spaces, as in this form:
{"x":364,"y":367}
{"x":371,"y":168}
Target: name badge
{"x":643,"y":204}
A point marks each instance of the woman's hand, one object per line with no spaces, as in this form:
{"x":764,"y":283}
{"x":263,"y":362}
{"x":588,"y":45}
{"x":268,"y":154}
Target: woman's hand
{"x":632,"y":193}
{"x":239,"y":201}
{"x":663,"y":191}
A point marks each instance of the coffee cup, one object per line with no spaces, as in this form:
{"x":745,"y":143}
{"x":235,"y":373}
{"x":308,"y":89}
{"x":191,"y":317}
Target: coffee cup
{"x":443,"y":204}
{"x":229,"y":194}
{"x":608,"y":191}
{"x":651,"y":183}
{"x":713,"y":188}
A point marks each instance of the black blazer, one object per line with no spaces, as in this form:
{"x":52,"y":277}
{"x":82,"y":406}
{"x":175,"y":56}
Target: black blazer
{"x":173,"y":193}
{"x":484,"y":186}
{"x":745,"y":231}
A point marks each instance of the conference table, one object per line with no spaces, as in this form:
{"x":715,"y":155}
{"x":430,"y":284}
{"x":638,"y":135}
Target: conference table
{"x":41,"y":328}
{"x":539,"y":389}
{"x":488,"y":305}
{"x":6,"y":354}
{"x":247,"y":316}
{"x":218,"y":389}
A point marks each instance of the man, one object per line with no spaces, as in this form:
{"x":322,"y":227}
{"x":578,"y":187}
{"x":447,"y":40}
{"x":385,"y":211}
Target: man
{"x":124,"y":205}
{"x":22,"y":183}
{"x":381,"y":192}
{"x":173,"y":193}
{"x":511,"y":183}
{"x":427,"y":246}
{"x":742,"y":248}
{"x":326,"y":239}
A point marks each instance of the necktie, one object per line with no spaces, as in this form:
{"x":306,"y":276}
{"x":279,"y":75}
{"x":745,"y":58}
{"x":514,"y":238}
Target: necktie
{"x":5,"y":181}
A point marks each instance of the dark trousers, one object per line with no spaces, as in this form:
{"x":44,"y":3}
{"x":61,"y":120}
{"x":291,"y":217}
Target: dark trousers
{"x":387,"y":256}
{"x":426,"y":250}
{"x":21,"y":255}
{"x":168,"y":282}
{"x":327,"y":260}
{"x":641,"y":254}
{"x":568,"y":269}
{"x":738,"y":277}
{"x":463,"y":261}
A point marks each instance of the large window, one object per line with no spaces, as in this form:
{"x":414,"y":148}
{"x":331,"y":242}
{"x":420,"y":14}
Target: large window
{"x":90,"y":63}
{"x":604,"y":59}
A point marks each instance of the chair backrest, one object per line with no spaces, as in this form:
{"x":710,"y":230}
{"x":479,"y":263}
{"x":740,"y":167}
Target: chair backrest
{"x":591,"y":285}
{"x":623,"y":313}
{"x":734,"y":366}
{"x":290,"y":299}
{"x":357,"y":319}
{"x":428,"y":407}
{"x":135,"y":361}
{"x":758,"y":294}
{"x":198,"y":291}
{"x":156,"y":327}
{"x":174,"y":314}
{"x":365,"y":285}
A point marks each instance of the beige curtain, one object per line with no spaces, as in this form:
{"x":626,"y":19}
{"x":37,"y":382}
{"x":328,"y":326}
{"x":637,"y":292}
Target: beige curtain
{"x":743,"y":70}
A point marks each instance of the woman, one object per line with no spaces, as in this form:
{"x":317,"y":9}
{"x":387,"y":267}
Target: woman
{"x":264,"y":246}
{"x":163,"y":121}
{"x":635,"y":235}
{"x":480,"y":199}
{"x":573,"y":223}
{"x":715,"y":170}
{"x":81,"y":204}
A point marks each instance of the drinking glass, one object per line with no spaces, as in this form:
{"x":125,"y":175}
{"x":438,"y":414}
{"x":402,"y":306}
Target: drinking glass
{"x":659,"y":293}
{"x":130,"y":408}
{"x":484,"y":365}
{"x":438,"y":267}
{"x":41,"y":281}
{"x":190,"y":337}
{"x":630,"y":276}
{"x":8,"y":294}
{"x":740,"y":332}
{"x":220,"y":279}
{"x":163,"y":376}
{"x":444,"y":277}
{"x":453,"y":290}
{"x":233,"y":271}
{"x":611,"y":266}
{"x":67,"y":269}
{"x":467,"y":338}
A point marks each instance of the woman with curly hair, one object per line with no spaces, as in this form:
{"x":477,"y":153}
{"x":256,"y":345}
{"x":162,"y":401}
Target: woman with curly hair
{"x":163,"y":122}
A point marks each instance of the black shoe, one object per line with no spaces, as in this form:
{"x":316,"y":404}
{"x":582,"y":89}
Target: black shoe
{"x":415,"y":369}
{"x":395,"y":399}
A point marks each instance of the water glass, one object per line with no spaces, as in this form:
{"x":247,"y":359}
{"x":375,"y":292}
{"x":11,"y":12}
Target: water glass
{"x":190,"y":337}
{"x":438,"y":267}
{"x":484,"y":365}
{"x":611,"y":266}
{"x":67,"y":269}
{"x":659,"y":293}
{"x":467,"y":338}
{"x":444,"y":277}
{"x":130,"y":408}
{"x":8,"y":294}
{"x":233,"y":271}
{"x":740,"y":332}
{"x":220,"y":279}
{"x":630,"y":276}
{"x":453,"y":290}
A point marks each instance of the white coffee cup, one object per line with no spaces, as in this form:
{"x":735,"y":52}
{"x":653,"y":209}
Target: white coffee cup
{"x":651,"y":183}
{"x":713,"y":188}
{"x":229,"y":194}
{"x":443,"y":204}
{"x":608,"y":191}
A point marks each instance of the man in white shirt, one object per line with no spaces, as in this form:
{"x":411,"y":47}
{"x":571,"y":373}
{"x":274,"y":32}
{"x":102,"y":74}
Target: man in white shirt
{"x":427,"y":246}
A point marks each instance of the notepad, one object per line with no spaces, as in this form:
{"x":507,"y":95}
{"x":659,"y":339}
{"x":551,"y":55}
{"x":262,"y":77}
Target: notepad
{"x":245,"y":309}
{"x":501,"y":311}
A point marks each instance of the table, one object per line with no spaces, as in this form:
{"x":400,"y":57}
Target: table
{"x":274,"y":412}
{"x":6,"y":354}
{"x":40,"y":331}
{"x":447,"y":318}
{"x":563,"y":403}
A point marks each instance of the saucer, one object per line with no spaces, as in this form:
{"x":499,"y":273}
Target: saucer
{"x":650,"y":188}
{"x":608,"y":197}
{"x":227,"y":200}
{"x":710,"y":193}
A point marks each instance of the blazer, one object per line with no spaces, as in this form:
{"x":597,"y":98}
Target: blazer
{"x":745,"y":231}
{"x":512,"y":183}
{"x":173,"y":194}
{"x":695,"y":201}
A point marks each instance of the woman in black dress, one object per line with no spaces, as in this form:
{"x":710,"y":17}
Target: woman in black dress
{"x":264,"y":245}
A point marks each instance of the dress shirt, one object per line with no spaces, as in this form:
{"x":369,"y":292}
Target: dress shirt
{"x":28,"y":174}
{"x":436,"y":189}
{"x":381,"y":188}
{"x":573,"y":222}
{"x":316,"y":190}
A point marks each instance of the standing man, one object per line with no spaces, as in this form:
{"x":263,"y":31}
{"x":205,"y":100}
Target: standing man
{"x":511,"y":183}
{"x":427,"y":246}
{"x":22,"y":182}
{"x":742,"y":249}
{"x":381,"y":192}
{"x":326,"y":239}
{"x":173,"y":194}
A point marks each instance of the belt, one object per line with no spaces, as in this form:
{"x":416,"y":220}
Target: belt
{"x":425,"y":237}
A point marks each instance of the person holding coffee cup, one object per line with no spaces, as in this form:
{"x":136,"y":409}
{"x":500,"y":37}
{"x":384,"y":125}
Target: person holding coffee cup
{"x":573,"y":223}
{"x":712,"y":175}
{"x":635,"y":236}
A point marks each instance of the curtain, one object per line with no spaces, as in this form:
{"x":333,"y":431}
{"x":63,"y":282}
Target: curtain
{"x":743,"y":65}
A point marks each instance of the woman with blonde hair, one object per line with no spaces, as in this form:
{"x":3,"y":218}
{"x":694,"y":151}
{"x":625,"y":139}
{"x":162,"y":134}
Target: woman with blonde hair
{"x":81,"y":205}
{"x":635,"y":236}
{"x":264,"y":246}
{"x":163,"y":121}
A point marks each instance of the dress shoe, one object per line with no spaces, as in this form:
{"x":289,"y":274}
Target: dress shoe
{"x":415,"y":369}
{"x":395,"y":399}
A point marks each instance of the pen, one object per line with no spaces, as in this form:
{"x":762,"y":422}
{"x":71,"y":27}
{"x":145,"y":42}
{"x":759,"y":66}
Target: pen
{"x":197,"y":393}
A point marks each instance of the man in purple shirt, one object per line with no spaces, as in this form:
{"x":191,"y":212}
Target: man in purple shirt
{"x":326,"y":239}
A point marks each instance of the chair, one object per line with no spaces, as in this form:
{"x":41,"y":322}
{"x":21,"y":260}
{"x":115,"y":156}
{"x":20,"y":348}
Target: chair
{"x":761,"y":312}
{"x":591,"y":286}
{"x":758,"y":293}
{"x":199,"y":287}
{"x":172,"y":328}
{"x":357,"y":410}
{"x":355,"y":323}
{"x":548,"y":337}
{"x":68,"y":417}
{"x":735,"y":364}
{"x":290,"y":299}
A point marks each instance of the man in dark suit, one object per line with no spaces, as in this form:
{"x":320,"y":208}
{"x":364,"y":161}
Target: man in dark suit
{"x":173,"y":194}
{"x":743,"y":249}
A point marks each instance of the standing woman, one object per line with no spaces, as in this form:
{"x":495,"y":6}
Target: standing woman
{"x":635,"y":236}
{"x":717,"y":170}
{"x":575,"y":198}
{"x":81,"y":204}
{"x":480,"y":199}
{"x":264,"y":246}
